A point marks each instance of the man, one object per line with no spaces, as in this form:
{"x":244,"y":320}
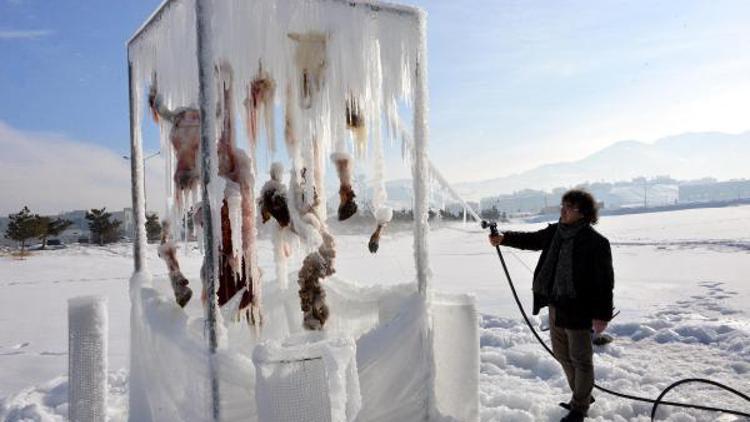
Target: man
{"x":574,"y":277}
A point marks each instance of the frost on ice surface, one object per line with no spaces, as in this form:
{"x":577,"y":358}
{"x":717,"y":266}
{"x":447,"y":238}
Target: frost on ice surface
{"x":328,"y":366}
{"x":48,"y":402}
{"x":338,"y":69}
{"x":87,"y":367}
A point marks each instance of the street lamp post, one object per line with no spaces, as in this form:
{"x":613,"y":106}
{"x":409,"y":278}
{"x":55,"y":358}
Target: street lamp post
{"x":126,"y":157}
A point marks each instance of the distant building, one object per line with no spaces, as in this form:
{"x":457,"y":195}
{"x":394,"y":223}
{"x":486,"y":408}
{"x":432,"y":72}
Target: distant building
{"x":714,"y":192}
{"x":79,"y":229}
{"x":522,"y":202}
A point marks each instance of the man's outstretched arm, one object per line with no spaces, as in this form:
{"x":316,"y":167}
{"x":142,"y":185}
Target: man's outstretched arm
{"x":534,"y":241}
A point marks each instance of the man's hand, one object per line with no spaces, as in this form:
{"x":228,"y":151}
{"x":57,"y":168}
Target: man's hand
{"x":599,"y":326}
{"x":496,"y":239}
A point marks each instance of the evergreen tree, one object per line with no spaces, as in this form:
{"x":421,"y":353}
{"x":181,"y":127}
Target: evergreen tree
{"x":153,"y":228}
{"x":23,"y":226}
{"x":103,"y":228}
{"x":50,"y":228}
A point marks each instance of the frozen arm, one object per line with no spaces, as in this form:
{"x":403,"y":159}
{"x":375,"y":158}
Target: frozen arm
{"x":158,"y":108}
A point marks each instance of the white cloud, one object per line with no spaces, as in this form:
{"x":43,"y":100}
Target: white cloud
{"x":51,"y":173}
{"x":24,"y":35}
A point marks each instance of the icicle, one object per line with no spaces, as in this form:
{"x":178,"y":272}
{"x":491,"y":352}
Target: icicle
{"x":319,"y":185}
{"x":290,"y":128}
{"x":310,"y":58}
{"x":238,"y":268}
{"x":184,"y":235}
{"x":355,"y":121}
{"x":383,"y":214}
{"x":260,"y":100}
{"x":358,"y":60}
{"x":233,"y":198}
{"x":307,"y":176}
{"x":281,"y":252}
{"x":197,"y":216}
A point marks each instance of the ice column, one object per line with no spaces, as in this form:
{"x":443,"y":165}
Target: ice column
{"x":419,"y":166}
{"x":87,"y":359}
{"x":138,"y":188}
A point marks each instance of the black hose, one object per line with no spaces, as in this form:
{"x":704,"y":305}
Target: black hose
{"x":656,"y":402}
{"x":700,"y":380}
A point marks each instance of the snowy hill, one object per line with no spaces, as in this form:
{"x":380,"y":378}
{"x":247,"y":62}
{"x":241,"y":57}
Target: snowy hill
{"x":686,"y":156}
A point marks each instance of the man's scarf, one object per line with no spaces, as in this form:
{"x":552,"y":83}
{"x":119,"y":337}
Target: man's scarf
{"x":555,"y":278}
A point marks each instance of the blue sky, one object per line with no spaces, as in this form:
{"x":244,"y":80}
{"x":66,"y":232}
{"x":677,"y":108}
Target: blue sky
{"x":514,"y":84}
{"x":68,"y":74}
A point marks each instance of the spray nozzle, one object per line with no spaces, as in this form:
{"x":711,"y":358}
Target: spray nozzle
{"x":492,"y":225}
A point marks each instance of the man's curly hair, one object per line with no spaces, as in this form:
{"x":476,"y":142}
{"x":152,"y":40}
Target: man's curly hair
{"x":585,"y":203}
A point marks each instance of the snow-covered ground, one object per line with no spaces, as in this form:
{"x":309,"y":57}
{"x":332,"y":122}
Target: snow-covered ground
{"x":681,"y":283}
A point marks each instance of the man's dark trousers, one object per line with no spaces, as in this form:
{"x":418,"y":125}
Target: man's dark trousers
{"x":573,"y":350}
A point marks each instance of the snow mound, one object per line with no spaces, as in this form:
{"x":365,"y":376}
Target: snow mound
{"x":48,"y":402}
{"x":689,"y":338}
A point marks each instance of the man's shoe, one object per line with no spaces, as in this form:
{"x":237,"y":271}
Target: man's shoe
{"x":573,"y":416}
{"x":566,"y":406}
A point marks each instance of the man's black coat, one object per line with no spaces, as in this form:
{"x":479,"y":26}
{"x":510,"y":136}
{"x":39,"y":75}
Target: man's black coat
{"x":593,"y":276}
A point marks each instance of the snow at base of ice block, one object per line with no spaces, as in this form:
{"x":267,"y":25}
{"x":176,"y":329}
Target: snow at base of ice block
{"x":48,"y":402}
{"x":355,"y":309}
{"x":393,"y":356}
{"x":169,"y":366}
{"x":418,"y":360}
{"x":412,"y":368}
{"x":455,"y":339}
{"x":311,"y":375}
{"x":397,"y":351}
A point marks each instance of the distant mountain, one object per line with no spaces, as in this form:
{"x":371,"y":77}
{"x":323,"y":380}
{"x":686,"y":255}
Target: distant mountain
{"x":683,"y":157}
